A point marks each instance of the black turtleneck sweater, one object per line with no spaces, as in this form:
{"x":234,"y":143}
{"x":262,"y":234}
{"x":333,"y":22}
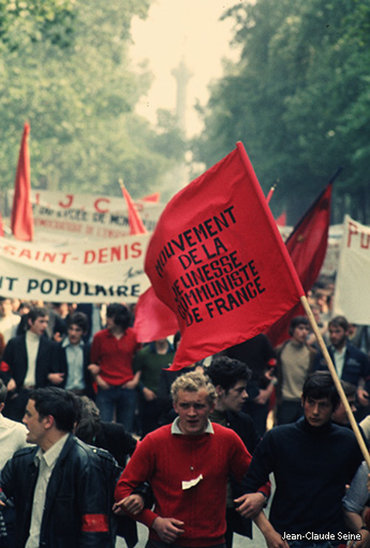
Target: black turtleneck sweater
{"x":311,"y":466}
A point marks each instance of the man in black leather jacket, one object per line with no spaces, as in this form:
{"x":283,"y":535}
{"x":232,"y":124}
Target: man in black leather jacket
{"x":60,"y":494}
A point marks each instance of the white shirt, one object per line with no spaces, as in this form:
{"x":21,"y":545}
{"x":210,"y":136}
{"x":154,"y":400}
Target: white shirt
{"x":32,"y":347}
{"x":46,"y":463}
{"x":75,"y":360}
{"x":12,"y":437}
{"x":175,"y":428}
{"x":339,"y":360}
{"x":8,"y":326}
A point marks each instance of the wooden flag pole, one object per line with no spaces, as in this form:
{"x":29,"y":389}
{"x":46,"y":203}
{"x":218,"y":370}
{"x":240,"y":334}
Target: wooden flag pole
{"x":336,"y":380}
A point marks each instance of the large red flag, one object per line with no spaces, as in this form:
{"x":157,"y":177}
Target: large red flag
{"x":22,"y":217}
{"x":134,"y":219}
{"x":153,"y":319}
{"x":216,"y":258}
{"x":307,"y":246}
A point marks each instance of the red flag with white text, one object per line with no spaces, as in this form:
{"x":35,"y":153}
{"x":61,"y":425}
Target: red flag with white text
{"x":216,"y":258}
{"x":22,"y":217}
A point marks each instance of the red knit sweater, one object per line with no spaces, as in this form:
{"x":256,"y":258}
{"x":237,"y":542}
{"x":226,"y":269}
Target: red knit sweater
{"x":165,"y":460}
{"x":114,"y":355}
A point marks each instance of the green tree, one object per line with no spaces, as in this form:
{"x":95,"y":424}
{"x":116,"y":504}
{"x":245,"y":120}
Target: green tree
{"x":298,"y":98}
{"x":70,"y":75}
{"x":35,"y":20}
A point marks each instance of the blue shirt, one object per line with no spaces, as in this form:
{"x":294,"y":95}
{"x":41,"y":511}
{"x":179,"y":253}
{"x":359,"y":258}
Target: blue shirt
{"x":75,"y":360}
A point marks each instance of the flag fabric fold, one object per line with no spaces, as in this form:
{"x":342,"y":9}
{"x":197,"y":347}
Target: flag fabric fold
{"x":307,"y":246}
{"x":22,"y":216}
{"x":153,"y":319}
{"x":134,"y":219}
{"x":216,"y":258}
{"x":308,"y":242}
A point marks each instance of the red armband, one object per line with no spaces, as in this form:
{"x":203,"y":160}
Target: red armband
{"x":4,"y":367}
{"x":95,"y":523}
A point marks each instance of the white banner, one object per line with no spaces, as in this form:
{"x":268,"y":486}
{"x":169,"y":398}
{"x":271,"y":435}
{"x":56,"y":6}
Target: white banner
{"x":97,"y":271}
{"x":86,"y":215}
{"x":352,"y":295}
{"x":330,"y":265}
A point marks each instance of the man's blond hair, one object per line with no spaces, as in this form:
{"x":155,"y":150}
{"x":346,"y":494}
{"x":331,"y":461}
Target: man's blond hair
{"x":193,"y":382}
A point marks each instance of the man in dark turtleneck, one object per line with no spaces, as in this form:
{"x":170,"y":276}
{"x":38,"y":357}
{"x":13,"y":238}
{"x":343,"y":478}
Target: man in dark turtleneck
{"x":312,"y":461}
{"x":230,"y":376}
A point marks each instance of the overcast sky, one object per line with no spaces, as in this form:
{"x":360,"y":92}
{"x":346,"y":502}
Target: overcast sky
{"x":176,"y":29}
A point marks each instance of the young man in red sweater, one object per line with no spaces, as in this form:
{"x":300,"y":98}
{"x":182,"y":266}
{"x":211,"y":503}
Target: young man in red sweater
{"x":187,"y":465}
{"x":111,"y":356}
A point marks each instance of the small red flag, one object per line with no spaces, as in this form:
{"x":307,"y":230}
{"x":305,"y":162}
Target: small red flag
{"x":134,"y":219}
{"x":216,"y":258}
{"x":1,"y":226}
{"x":281,"y":220}
{"x":154,"y":198}
{"x":153,"y":319}
{"x":22,"y":216}
{"x":307,"y":246}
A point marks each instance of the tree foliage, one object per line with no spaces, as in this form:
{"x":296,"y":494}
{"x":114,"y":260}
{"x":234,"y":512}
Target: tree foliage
{"x":299,"y":100}
{"x":35,"y":20}
{"x":65,"y":68}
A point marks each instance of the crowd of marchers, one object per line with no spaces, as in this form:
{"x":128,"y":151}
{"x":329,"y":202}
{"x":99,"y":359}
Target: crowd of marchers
{"x":97,"y":433}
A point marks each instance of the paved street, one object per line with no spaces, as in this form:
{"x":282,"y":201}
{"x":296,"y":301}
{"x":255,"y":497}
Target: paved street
{"x":239,"y":541}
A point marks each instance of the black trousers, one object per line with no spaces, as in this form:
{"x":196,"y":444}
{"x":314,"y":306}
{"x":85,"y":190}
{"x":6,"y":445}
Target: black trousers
{"x":159,"y":544}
